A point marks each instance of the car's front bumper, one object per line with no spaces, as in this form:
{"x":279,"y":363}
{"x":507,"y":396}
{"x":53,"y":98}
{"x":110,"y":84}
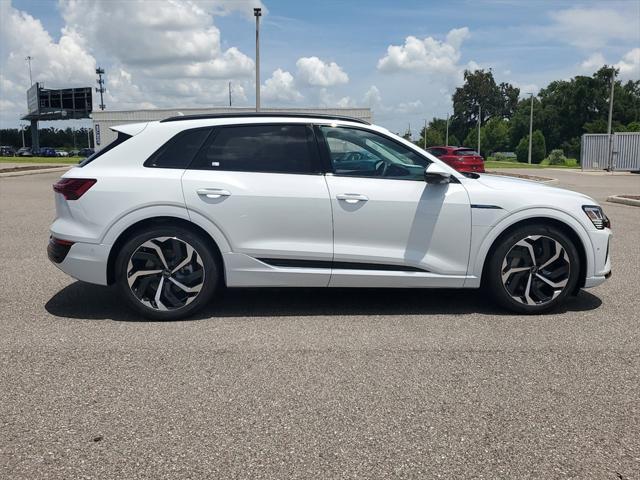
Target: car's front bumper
{"x":601,"y":241}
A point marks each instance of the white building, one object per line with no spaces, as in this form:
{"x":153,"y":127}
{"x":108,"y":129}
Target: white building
{"x":103,"y":120}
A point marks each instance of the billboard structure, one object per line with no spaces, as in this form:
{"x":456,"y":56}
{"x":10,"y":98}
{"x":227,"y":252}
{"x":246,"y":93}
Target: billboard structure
{"x":58,"y":104}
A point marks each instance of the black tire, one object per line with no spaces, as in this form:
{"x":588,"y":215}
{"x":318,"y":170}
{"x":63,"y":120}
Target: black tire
{"x":203,"y":272}
{"x":530,"y":280}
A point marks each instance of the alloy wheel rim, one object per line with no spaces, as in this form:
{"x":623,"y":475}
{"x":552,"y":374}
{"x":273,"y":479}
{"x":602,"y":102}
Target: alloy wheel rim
{"x":535,"y":270}
{"x":165,"y":273}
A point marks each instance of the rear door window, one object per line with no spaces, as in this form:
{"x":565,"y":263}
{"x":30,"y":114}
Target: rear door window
{"x":260,"y":148}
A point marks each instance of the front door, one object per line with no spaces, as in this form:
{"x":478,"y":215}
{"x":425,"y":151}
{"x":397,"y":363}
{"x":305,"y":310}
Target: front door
{"x":391,"y":228}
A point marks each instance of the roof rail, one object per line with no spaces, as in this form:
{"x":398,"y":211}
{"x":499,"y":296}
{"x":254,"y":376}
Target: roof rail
{"x":205,"y":116}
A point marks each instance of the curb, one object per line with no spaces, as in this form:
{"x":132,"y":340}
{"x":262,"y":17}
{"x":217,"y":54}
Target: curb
{"x":34,"y":172}
{"x":624,"y":201}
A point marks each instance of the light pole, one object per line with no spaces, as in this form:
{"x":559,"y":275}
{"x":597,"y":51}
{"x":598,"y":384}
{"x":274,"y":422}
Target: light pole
{"x":28,"y":59}
{"x":257,"y":12}
{"x":610,"y":152}
{"x":530,"y":129}
{"x":22,"y":131}
{"x":479,"y":122}
{"x":425,"y":133}
{"x":100,"y":89}
{"x":446,"y":138}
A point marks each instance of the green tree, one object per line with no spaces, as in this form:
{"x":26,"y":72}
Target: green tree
{"x":494,"y":136}
{"x":471,"y":140}
{"x":519,"y":121}
{"x":453,"y":140}
{"x":633,"y":127}
{"x":538,"y":148}
{"x":480,"y":90}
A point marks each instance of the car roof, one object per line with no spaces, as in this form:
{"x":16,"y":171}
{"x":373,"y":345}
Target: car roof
{"x":262,"y":115}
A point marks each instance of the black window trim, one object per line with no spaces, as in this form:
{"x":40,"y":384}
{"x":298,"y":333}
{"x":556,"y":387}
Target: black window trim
{"x":314,"y":154}
{"x":326,"y":153}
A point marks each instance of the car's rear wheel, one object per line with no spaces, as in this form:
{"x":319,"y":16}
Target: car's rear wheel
{"x":166,"y":273}
{"x":533,"y":269}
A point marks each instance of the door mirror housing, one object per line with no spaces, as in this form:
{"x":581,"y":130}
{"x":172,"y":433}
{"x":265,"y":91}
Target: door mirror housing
{"x":436,"y":175}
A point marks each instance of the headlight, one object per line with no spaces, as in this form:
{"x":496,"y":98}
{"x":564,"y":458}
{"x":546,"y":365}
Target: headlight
{"x":597,"y":216}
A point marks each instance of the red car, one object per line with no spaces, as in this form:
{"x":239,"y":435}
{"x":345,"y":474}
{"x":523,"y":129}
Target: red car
{"x":461,"y":158}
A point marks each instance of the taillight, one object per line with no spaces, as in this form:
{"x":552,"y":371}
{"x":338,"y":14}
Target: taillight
{"x":73,"y":188}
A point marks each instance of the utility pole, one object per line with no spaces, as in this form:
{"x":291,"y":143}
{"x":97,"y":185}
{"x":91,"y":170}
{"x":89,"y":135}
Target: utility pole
{"x":610,"y":153}
{"x":257,"y":12}
{"x":479,"y":122}
{"x":530,"y":130}
{"x":100,"y":89}
{"x":28,"y":59}
{"x":446,"y":138}
{"x":229,"y":93}
{"x":425,"y":133}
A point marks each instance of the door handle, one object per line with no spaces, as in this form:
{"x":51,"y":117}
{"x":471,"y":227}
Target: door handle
{"x":352,"y":197}
{"x":213,"y":192}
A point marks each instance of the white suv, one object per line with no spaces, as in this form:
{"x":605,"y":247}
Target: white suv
{"x":173,"y":210}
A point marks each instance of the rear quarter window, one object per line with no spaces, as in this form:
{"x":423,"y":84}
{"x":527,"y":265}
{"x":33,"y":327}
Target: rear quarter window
{"x":120,"y":139}
{"x":180,"y":150}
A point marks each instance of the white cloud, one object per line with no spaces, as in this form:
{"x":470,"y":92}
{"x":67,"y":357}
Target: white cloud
{"x":404,"y":108}
{"x":593,"y":27}
{"x":593,"y":62}
{"x":56,"y":64}
{"x":629,"y":66}
{"x":313,"y":71}
{"x":157,"y":54}
{"x":225,"y":7}
{"x":164,"y":35}
{"x":280,"y":88}
{"x":372,"y":97}
{"x":428,"y":54}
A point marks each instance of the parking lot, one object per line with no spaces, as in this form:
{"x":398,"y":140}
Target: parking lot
{"x":315,"y":383}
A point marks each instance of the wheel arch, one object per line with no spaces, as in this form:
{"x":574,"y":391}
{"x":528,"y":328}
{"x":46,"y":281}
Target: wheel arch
{"x":146,"y":223}
{"x":567,"y":225}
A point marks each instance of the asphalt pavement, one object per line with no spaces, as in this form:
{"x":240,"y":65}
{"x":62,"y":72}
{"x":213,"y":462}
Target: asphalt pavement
{"x":313,"y":383}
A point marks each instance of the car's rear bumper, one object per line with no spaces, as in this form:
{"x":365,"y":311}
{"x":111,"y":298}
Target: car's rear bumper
{"x":84,"y":261}
{"x":477,"y":168}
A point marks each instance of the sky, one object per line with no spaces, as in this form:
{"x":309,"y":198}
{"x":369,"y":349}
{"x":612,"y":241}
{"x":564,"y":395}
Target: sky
{"x":404,"y":59}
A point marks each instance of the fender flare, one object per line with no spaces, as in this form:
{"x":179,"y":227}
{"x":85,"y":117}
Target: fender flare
{"x":534,"y":213}
{"x":130,"y":218}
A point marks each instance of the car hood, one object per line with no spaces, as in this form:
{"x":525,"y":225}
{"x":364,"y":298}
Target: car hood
{"x":527,"y":188}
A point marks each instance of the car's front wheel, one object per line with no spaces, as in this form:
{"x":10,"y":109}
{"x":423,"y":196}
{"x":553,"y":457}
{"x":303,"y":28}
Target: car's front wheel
{"x":166,"y":273}
{"x":533,"y":269}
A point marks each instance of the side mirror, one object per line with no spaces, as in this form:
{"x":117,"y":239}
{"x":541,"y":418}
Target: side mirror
{"x":435,"y":175}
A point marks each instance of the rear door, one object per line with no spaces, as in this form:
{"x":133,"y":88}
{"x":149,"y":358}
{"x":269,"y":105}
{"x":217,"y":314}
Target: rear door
{"x":262,"y":186}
